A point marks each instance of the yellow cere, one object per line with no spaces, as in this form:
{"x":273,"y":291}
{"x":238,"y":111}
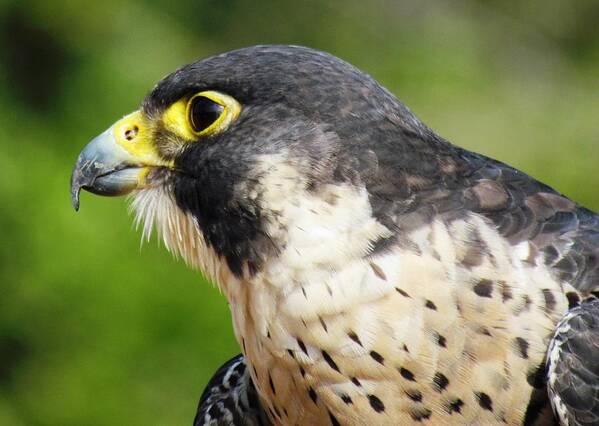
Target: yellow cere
{"x":134,"y":134}
{"x":176,"y":118}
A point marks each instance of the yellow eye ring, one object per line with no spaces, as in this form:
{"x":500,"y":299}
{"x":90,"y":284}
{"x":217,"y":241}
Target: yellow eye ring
{"x":204,"y":106}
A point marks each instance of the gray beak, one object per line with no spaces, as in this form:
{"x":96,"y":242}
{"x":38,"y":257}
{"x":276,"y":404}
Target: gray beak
{"x":104,"y":168}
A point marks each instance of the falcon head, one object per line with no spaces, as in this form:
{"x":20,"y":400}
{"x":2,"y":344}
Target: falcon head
{"x":221,"y":146}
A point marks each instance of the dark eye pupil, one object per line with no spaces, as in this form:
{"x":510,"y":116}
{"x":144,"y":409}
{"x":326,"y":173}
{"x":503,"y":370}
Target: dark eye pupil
{"x":204,"y":112}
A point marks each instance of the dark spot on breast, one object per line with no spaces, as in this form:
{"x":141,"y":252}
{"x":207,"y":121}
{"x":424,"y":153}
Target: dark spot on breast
{"x":330,"y":361}
{"x":440,"y":339}
{"x":429,"y":304}
{"x":329,"y":290}
{"x":455,"y":406}
{"x":334,"y":420}
{"x":549,"y":300}
{"x":355,"y":381}
{"x":536,"y":376}
{"x":300,"y":343}
{"x":323,"y":324}
{"x":383,"y":244}
{"x":476,"y":251}
{"x":302,"y":371}
{"x":290,"y":352}
{"x":525,"y":306}
{"x":312,"y":394}
{"x":402,"y":292}
{"x":458,"y":307}
{"x":414,"y":395}
{"x":420,"y":414}
{"x":410,"y":245}
{"x":522,"y":346}
{"x":405,"y":348}
{"x":272,"y":385}
{"x":347,"y":399}
{"x":573,"y":299}
{"x":441,"y":381}
{"x":484,"y":401}
{"x":407,"y":374}
{"x":268,"y":333}
{"x":354,"y":337}
{"x":506,"y":291}
{"x":377,"y":357}
{"x":378,"y":271}
{"x":469,"y":355}
{"x":483,"y":288}
{"x":472,"y":258}
{"x":376,"y":404}
{"x":483,"y":330}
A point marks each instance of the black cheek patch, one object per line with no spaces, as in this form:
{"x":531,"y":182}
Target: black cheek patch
{"x":205,"y":189}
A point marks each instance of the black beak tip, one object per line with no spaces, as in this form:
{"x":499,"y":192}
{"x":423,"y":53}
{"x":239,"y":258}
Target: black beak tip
{"x":77,"y":179}
{"x":75,"y":199}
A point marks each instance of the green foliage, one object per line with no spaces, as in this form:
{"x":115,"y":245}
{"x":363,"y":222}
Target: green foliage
{"x":95,"y":330}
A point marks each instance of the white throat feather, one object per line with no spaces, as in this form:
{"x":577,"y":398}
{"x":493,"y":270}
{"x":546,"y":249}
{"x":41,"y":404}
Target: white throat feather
{"x":156,"y":208}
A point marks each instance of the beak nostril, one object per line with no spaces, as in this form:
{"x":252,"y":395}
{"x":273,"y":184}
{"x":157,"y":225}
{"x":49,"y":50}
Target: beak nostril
{"x":131,"y":133}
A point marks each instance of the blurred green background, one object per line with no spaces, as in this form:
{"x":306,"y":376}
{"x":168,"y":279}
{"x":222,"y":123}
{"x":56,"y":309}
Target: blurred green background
{"x":95,"y":330}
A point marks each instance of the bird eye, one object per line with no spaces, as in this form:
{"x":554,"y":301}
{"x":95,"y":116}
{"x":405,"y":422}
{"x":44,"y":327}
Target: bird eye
{"x":203,"y":113}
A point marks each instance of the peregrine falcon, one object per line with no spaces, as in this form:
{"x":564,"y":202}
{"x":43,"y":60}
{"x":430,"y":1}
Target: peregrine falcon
{"x":375,"y":272}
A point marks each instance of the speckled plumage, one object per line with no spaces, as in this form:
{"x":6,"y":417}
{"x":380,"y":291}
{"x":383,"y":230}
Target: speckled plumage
{"x":230,"y":398}
{"x":572,"y":366}
{"x":375,"y":272}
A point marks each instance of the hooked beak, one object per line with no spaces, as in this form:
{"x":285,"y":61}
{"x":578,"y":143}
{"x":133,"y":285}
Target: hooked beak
{"x":117,"y":161}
